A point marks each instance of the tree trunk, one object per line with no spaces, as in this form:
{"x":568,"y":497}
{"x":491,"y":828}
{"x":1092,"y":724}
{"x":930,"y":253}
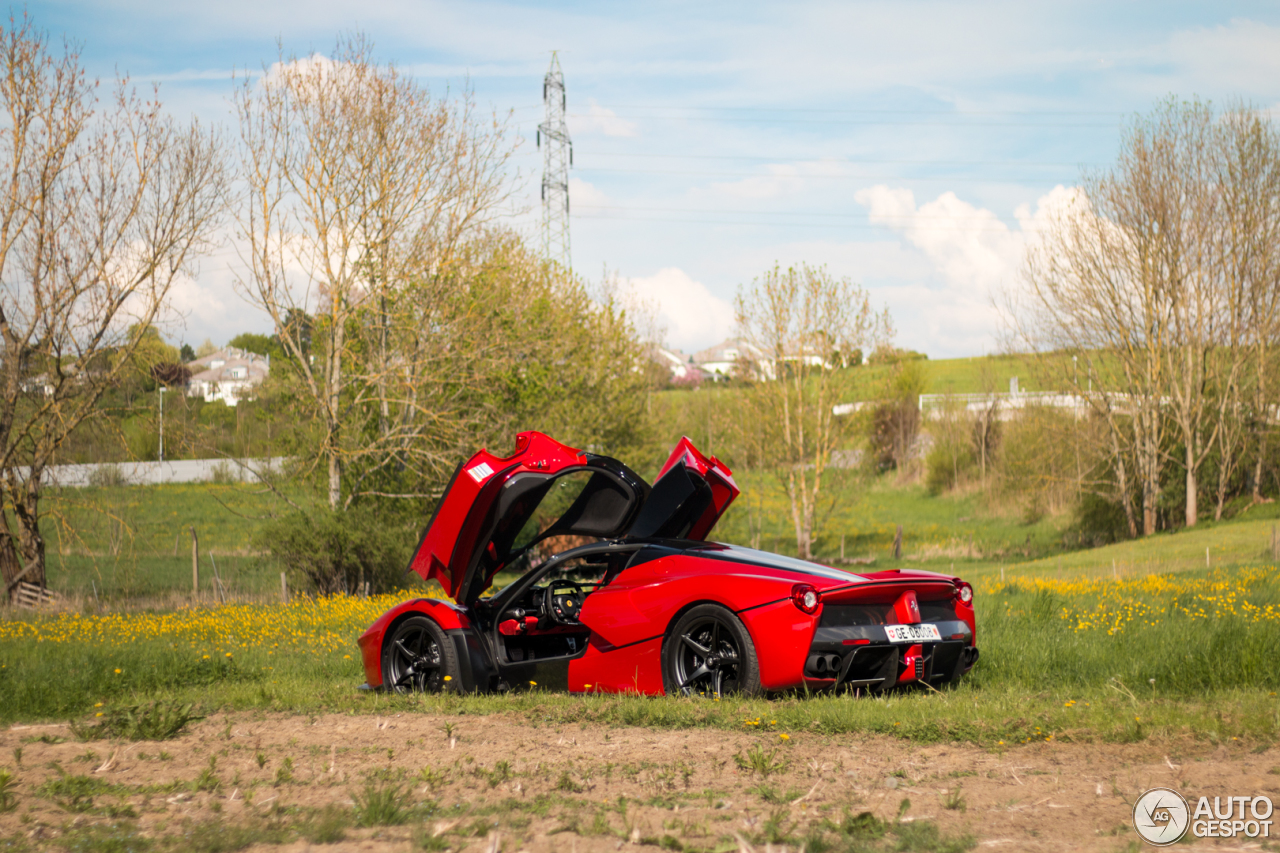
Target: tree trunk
{"x":1192,"y":509}
{"x":797,"y":494}
{"x":333,"y":379}
{"x":10,"y":564}
{"x":1122,"y":478}
{"x":27,"y":510}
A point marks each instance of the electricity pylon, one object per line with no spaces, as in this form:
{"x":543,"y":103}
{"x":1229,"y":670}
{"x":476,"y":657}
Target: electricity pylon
{"x":557,"y":157}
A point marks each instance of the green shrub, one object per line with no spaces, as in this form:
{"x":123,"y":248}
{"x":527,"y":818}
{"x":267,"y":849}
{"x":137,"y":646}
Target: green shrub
{"x":151,"y":721}
{"x":8,"y":800}
{"x":338,"y":552}
{"x":945,"y":466}
{"x":1099,"y":521}
{"x":329,"y":825}
{"x":76,"y":793}
{"x":382,"y":805}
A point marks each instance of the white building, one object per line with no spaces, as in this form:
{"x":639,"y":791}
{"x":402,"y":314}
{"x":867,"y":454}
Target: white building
{"x":722,"y":360}
{"x":683,"y":370}
{"x":227,"y":375}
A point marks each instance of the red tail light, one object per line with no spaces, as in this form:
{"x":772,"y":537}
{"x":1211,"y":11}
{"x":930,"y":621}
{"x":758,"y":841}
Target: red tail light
{"x":806,"y":597}
{"x":964,"y":592}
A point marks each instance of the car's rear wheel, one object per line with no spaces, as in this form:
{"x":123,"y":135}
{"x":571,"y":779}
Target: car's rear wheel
{"x":417,"y":657}
{"x":708,"y":652}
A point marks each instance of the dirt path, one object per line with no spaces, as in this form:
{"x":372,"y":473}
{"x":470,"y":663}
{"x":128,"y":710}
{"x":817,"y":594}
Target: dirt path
{"x":560,"y":786}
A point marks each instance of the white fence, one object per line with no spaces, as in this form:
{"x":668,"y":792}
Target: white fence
{"x":152,"y":473}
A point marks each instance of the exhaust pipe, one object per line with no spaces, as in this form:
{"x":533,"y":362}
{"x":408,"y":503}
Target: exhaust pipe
{"x":824,"y":666}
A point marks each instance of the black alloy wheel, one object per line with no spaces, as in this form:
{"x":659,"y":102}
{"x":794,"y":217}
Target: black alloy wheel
{"x":417,"y":657}
{"x":708,"y":652}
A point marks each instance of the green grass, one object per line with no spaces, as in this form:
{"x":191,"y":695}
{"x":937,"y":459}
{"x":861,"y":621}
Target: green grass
{"x":148,"y":519}
{"x":1040,"y":676}
{"x":866,"y":513}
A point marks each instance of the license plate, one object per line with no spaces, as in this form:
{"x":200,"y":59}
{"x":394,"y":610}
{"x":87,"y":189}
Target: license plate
{"x":912,"y":633}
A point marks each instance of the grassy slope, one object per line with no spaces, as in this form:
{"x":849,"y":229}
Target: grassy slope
{"x":124,"y":539}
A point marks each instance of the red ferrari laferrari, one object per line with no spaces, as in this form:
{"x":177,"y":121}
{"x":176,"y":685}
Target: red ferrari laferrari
{"x":616,"y":589}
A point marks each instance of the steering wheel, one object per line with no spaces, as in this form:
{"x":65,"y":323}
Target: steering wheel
{"x":562,"y":602}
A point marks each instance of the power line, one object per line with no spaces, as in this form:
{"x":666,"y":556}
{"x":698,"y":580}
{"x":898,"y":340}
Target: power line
{"x":883,"y":222}
{"x":946,"y":179}
{"x":876,"y":111}
{"x":853,"y":226}
{"x":809,"y":158}
{"x":860,"y":215}
{"x":849,"y":122}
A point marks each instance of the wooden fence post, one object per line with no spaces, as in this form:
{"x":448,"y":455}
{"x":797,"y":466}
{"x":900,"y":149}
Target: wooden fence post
{"x":195,"y":563}
{"x":897,"y":544}
{"x":217,"y":578}
{"x":284,"y":589}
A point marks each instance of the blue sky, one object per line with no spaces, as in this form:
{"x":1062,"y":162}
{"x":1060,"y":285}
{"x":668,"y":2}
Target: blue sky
{"x":908,"y":145}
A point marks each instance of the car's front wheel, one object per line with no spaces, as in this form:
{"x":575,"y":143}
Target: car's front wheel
{"x":708,"y":652}
{"x":417,"y":657}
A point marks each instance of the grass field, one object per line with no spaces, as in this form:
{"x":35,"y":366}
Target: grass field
{"x":1093,"y":659}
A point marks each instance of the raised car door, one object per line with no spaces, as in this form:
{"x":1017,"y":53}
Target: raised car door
{"x":691,"y":493}
{"x":493,"y":509}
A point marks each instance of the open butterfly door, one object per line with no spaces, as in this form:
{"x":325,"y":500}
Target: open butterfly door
{"x":691,"y":493}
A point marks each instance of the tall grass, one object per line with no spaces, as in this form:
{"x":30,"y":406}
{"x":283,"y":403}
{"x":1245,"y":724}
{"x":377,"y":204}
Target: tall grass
{"x":1203,"y":631}
{"x":1070,"y":658}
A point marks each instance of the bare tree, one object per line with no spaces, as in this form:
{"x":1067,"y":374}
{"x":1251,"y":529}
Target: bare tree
{"x":802,"y":325}
{"x":102,"y":208}
{"x":1088,"y":297}
{"x":1125,"y":280}
{"x":1162,"y":279}
{"x":1248,"y":179}
{"x":360,"y":191}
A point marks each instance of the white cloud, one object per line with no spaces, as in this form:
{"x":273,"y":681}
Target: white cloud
{"x":584,"y":194}
{"x":974,"y":257}
{"x":970,"y":246}
{"x":206,"y":304}
{"x":694,"y":317}
{"x":775,"y":181}
{"x":600,"y":119}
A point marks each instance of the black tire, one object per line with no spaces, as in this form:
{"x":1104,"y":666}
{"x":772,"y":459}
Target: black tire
{"x":708,"y":652}
{"x":417,"y":657}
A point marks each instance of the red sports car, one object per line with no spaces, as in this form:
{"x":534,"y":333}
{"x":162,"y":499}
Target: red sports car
{"x":647,"y":604}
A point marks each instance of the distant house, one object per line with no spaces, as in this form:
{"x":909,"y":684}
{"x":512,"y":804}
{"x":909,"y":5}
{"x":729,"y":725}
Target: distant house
{"x":681,"y":367}
{"x":228,"y":375}
{"x":723,"y":360}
